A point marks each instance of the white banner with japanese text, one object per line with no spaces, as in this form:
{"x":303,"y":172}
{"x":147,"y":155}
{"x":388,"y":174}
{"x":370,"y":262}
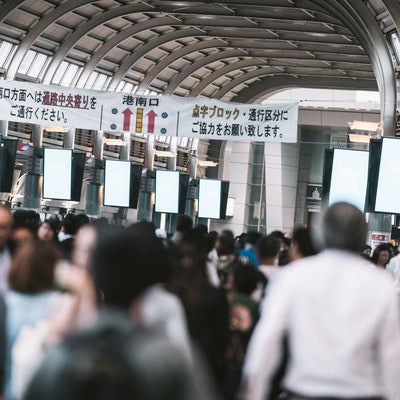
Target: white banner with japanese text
{"x":159,"y":115}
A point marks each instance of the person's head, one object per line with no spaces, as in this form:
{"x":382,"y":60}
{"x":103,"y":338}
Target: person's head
{"x":301,"y":245}
{"x":381,"y":255}
{"x":70,"y":224}
{"x":284,"y":242}
{"x":47,"y":231}
{"x":28,"y":218}
{"x":125,"y":263}
{"x":22,"y":234}
{"x":146,"y":227}
{"x":6,"y":221}
{"x":82,"y":219}
{"x":252,"y":237}
{"x":367,"y":250}
{"x":116,"y":360}
{"x":193,"y":250}
{"x":183,"y":223}
{"x":225,"y":244}
{"x":246,"y":278}
{"x":268,"y":249}
{"x":343,"y":227}
{"x":32,"y":267}
{"x":84,"y":244}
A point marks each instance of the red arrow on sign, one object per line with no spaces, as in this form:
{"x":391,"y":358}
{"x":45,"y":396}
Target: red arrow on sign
{"x":150,"y":124}
{"x":127,"y":119}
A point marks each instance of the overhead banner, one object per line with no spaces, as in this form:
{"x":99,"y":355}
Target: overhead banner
{"x":155,"y":115}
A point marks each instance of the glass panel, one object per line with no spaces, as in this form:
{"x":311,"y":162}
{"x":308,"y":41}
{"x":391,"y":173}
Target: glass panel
{"x":6,"y":51}
{"x":92,"y":78}
{"x":100,"y":81}
{"x":60,"y":72}
{"x":37,"y":65}
{"x":69,"y":75}
{"x":27,"y":62}
{"x":127,"y":88}
{"x":256,"y":202}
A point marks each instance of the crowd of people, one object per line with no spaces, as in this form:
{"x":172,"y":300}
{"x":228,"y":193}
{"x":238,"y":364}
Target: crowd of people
{"x":93,"y":310}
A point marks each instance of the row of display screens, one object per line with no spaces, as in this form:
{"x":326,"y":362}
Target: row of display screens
{"x":367,"y":179}
{"x":122,"y":181}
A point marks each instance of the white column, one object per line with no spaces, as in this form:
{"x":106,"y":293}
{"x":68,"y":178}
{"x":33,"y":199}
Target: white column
{"x":235,"y":169}
{"x":281,"y":171}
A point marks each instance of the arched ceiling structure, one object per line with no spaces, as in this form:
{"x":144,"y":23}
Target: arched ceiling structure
{"x":234,"y":50}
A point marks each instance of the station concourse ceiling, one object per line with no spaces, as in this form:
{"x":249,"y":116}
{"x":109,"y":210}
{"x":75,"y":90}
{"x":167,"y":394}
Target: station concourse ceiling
{"x":232,"y":50}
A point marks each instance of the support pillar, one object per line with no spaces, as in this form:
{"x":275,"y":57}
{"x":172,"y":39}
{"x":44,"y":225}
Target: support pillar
{"x":281,"y":170}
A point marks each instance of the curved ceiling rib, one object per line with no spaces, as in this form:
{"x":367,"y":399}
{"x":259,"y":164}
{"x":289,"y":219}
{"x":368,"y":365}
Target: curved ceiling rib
{"x":220,"y":43}
{"x":214,"y":75}
{"x":171,"y":46}
{"x":118,"y":38}
{"x":218,"y":56}
{"x":165,"y":62}
{"x":359,"y":18}
{"x":36,"y":31}
{"x":84,"y":29}
{"x":144,"y":49}
{"x":269,"y":85}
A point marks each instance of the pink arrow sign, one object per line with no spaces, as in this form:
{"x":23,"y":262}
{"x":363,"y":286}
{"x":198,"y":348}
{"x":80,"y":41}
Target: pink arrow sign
{"x":127,"y":119}
{"x":151,"y":121}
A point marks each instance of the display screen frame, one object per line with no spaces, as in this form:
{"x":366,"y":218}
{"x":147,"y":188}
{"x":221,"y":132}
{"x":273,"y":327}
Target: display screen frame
{"x":167,"y":192}
{"x":57,"y":174}
{"x":387,"y":194}
{"x":349,"y":177}
{"x":209,"y":199}
{"x":117,"y":195}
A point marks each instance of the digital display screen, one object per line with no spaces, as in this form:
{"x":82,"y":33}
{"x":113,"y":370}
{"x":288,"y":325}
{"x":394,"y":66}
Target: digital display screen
{"x":167,"y":192}
{"x":57,"y":167}
{"x":209,"y":199}
{"x":117,"y":178}
{"x":349,"y":177}
{"x":388,"y":192}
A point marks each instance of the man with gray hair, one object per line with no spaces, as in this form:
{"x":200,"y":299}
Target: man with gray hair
{"x":340,"y":318}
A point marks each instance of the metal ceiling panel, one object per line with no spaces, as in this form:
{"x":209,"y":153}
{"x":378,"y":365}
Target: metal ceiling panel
{"x":206,"y":48}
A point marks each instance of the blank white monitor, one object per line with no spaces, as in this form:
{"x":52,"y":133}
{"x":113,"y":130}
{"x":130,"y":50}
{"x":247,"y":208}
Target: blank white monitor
{"x":388,"y":193}
{"x":167,"y":192}
{"x":117,"y":178}
{"x":57,"y":167}
{"x":209,"y":199}
{"x":349,"y":177}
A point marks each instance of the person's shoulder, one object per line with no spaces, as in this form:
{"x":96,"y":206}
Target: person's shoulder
{"x":157,"y":294}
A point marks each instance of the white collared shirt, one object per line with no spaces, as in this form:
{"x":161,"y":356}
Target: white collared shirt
{"x":343,"y":321}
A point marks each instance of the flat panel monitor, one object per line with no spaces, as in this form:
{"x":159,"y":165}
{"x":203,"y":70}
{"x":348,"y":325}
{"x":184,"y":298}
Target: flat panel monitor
{"x":349,"y":177}
{"x":224,"y":198}
{"x":167,"y":192}
{"x":8,"y":153}
{"x":209,"y":199}
{"x":57,"y":170}
{"x":78,"y":169}
{"x":387,"y":191}
{"x":117,"y":182}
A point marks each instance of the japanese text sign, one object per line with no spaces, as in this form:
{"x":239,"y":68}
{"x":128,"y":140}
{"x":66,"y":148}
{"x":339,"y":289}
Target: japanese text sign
{"x":159,"y":115}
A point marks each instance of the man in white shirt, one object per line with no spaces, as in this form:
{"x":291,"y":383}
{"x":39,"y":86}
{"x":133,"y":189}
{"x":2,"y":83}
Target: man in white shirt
{"x":340,"y":316}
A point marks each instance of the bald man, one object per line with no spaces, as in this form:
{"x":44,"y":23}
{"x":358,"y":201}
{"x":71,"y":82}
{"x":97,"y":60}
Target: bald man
{"x":341,"y":319}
